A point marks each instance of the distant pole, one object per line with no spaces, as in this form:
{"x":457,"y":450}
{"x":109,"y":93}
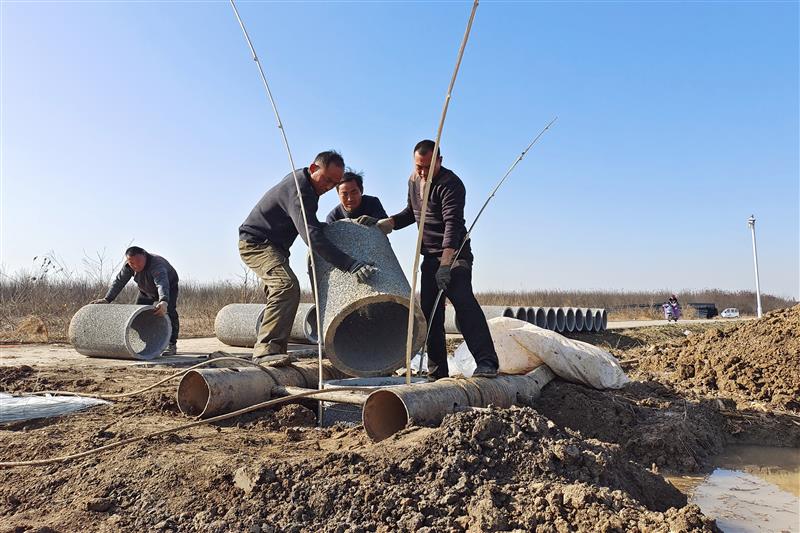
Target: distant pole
{"x":751,"y":223}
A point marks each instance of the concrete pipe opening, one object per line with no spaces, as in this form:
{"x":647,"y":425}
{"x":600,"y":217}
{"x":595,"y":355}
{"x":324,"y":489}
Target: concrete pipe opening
{"x":119,"y":331}
{"x":530,"y":315}
{"x":384,"y":415}
{"x":304,"y":327}
{"x":521,"y":313}
{"x":541,"y":317}
{"x":370,"y":339}
{"x":580,"y":322}
{"x":588,"y":317}
{"x":561,"y":319}
{"x":604,"y":320}
{"x":550,"y":315}
{"x":569,"y":315}
{"x":598,"y":320}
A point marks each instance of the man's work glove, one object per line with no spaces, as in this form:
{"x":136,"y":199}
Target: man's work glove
{"x":363,"y":271}
{"x":100,"y":301}
{"x":366,"y":220}
{"x":160,"y":309}
{"x":443,"y":277}
{"x":386,"y":225}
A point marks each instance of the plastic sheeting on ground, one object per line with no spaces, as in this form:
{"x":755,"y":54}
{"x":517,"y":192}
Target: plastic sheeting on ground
{"x":521,"y":347}
{"x":19,"y":408}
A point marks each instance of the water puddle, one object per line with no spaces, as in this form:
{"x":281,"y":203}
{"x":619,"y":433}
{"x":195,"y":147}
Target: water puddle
{"x":752,"y":489}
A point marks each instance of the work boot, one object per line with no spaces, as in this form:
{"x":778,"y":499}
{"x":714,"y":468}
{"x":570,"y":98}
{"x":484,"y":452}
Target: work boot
{"x":172,"y":349}
{"x":485,"y":371}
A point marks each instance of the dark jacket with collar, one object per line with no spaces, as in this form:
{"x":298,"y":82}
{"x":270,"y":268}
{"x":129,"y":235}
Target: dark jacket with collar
{"x":277,"y":219}
{"x":370,"y":206}
{"x":156,"y":280}
{"x":444,"y":220}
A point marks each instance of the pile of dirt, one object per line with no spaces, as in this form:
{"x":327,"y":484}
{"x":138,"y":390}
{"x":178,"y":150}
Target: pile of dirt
{"x":489,"y":471}
{"x":754,"y":361}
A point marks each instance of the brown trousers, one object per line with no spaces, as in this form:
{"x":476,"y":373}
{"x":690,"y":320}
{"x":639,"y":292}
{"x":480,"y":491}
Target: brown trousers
{"x":282,"y":289}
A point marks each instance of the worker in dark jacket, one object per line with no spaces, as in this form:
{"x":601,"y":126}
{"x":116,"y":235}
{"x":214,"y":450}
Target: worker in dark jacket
{"x":354,"y":203}
{"x":158,"y":286}
{"x":269,"y":231}
{"x":442,"y":235}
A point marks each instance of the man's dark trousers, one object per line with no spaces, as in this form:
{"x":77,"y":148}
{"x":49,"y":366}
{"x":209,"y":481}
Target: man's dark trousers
{"x":172,"y":309}
{"x":469,"y":313}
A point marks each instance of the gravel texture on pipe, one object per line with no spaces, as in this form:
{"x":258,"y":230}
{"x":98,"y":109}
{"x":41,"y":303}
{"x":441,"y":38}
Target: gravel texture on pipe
{"x":389,"y":410}
{"x":364,"y":325}
{"x":304,"y":328}
{"x":237,"y":324}
{"x":119,"y":331}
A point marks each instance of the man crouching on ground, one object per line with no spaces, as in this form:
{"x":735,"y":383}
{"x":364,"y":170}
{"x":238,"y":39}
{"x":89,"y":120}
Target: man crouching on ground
{"x":158,"y":286}
{"x":269,"y":231}
{"x":442,"y":235}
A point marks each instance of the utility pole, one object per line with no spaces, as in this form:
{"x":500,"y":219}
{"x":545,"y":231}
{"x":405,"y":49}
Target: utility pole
{"x":751,"y":223}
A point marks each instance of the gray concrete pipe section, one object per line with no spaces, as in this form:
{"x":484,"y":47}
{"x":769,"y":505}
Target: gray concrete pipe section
{"x":237,"y":324}
{"x":561,"y":320}
{"x":304,"y":328}
{"x":119,"y":331}
{"x":550,"y":318}
{"x":588,"y":318}
{"x":207,"y":392}
{"x":580,"y":322}
{"x":364,"y":325}
{"x":389,"y":410}
{"x":541,"y":317}
{"x":521,"y":313}
{"x":569,"y":315}
{"x":450,"y":323}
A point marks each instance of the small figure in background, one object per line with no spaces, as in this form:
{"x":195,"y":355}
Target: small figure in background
{"x":672,"y":309}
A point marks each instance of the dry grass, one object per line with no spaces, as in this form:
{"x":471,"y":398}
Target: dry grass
{"x":37,"y":306}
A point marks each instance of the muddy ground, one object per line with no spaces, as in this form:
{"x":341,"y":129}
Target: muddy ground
{"x":579,"y":460}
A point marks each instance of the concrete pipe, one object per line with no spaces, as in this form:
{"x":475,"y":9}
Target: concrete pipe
{"x":207,"y":392}
{"x":364,"y":325}
{"x":450,"y":323}
{"x":494,"y":311}
{"x":541,"y":317}
{"x":597,"y":316}
{"x":569,"y":315}
{"x":550,"y":318}
{"x":387,"y":411}
{"x":304,"y":328}
{"x":604,"y":320}
{"x":237,"y":324}
{"x":561,"y":320}
{"x":580,"y":322}
{"x":530,"y":315}
{"x":119,"y":331}
{"x":588,"y":317}
{"x":521,"y":313}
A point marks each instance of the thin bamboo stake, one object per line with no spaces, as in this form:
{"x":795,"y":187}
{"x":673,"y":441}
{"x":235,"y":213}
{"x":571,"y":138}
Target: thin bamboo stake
{"x":299,"y":195}
{"x":426,"y":191}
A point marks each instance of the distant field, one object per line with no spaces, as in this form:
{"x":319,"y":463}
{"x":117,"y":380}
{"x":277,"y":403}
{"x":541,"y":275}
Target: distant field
{"x":38,"y":308}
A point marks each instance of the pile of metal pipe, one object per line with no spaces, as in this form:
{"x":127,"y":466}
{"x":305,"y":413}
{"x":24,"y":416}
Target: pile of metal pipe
{"x":559,"y":319}
{"x":389,"y":410}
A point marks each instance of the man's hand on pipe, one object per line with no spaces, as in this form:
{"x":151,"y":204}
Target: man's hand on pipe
{"x":386,"y":225}
{"x":160,"y":309}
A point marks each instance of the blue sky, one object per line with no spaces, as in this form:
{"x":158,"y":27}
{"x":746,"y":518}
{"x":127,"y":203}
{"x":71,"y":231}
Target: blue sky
{"x":147,"y":122}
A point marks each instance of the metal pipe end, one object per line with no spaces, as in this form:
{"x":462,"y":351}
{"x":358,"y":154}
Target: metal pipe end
{"x":384,"y":415}
{"x":193,"y":394}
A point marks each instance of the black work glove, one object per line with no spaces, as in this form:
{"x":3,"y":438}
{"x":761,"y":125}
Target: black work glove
{"x":443,"y":277}
{"x":363,"y":271}
{"x":366,"y":220}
